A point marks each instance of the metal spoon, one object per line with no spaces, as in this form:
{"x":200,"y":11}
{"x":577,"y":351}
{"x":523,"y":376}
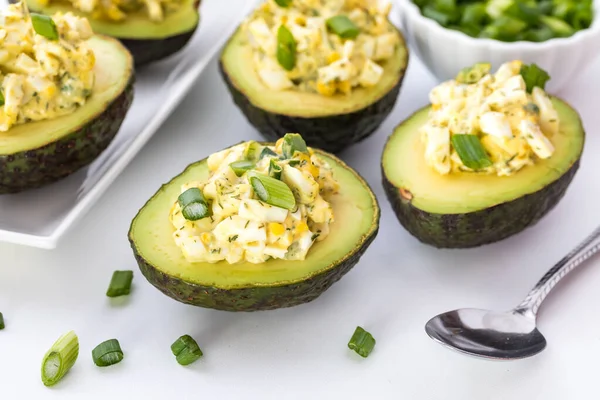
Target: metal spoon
{"x":511,"y":334}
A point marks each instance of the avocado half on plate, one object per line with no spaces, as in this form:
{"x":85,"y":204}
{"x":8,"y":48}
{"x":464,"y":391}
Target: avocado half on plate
{"x":246,"y":286}
{"x":148,"y":41}
{"x":467,"y":209}
{"x":38,"y":153}
{"x":329,"y":122}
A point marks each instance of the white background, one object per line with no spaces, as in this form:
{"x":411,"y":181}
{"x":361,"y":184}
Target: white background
{"x":301,"y":353}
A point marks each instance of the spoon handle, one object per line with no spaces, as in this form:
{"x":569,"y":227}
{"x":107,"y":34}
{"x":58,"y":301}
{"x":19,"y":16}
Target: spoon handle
{"x":529,"y":307}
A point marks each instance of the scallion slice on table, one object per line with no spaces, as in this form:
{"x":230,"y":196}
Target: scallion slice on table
{"x":286,"y":48}
{"x":343,"y":27}
{"x":292,"y":143}
{"x":107,"y":353}
{"x":120,"y":284}
{"x":44,"y":25}
{"x":241,"y":167}
{"x":471,"y":151}
{"x":186,"y":350}
{"x":273,"y":191}
{"x":534,"y":76}
{"x":193,"y":204}
{"x":60,"y":358}
{"x":283,"y":3}
{"x":362,"y":342}
{"x":274,"y":169}
{"x":1,"y":321}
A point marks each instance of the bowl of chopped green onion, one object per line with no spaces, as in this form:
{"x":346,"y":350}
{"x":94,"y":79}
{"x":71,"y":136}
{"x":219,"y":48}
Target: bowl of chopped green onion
{"x":561,"y":36}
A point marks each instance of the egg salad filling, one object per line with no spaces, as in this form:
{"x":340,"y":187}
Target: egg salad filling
{"x":259,"y":202}
{"x":46,"y":68}
{"x":490,"y":123}
{"x":321,"y":46}
{"x":118,"y":10}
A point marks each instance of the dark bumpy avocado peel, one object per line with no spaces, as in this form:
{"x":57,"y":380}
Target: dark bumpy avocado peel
{"x":38,"y":167}
{"x":332,"y":133}
{"x":481,"y":227}
{"x":151,"y":50}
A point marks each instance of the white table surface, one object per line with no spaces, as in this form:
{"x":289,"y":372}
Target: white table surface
{"x":301,"y":353}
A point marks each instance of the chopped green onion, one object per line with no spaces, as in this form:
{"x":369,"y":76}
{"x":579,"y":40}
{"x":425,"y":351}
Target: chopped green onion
{"x":473,"y":74}
{"x":1,"y":98}
{"x":534,"y":76}
{"x":1,"y":321}
{"x":107,"y":353}
{"x":539,"y":35}
{"x":283,"y":3}
{"x":294,"y":163}
{"x":60,"y":358}
{"x":343,"y":27}
{"x":252,"y":151}
{"x":292,"y":143}
{"x":274,"y":169}
{"x":120,"y":284}
{"x":286,"y":48}
{"x":438,"y":16}
{"x":272,"y":191}
{"x":558,"y":26}
{"x":267,"y":152}
{"x":474,"y":15}
{"x":531,"y":108}
{"x":362,"y":342}
{"x":471,"y":151}
{"x":240,"y":167}
{"x":524,"y":12}
{"x":193,"y":204}
{"x":44,"y":25}
{"x":186,"y":350}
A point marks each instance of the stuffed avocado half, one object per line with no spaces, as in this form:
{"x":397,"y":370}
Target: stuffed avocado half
{"x":151,"y":30}
{"x":64,"y":94}
{"x":257,"y":226}
{"x":490,"y":157}
{"x":331,"y":71}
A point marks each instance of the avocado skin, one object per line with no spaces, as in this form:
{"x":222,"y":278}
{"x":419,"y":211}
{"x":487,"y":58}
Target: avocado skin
{"x":480,"y":227}
{"x":332,"y":133}
{"x":150,"y":50}
{"x":38,"y":167}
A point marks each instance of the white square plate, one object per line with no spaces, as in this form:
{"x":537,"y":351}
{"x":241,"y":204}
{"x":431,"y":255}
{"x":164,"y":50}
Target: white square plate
{"x":41,"y":217}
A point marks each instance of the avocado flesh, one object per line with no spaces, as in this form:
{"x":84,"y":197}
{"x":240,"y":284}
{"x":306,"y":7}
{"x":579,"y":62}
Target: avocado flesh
{"x":146,"y":40}
{"x":37,"y":153}
{"x":331,"y":123}
{"x":467,"y":209}
{"x":247,"y":286}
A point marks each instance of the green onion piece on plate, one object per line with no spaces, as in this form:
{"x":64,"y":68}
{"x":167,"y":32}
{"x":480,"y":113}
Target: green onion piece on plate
{"x":473,"y":74}
{"x":120,"y":284}
{"x":283,"y":3}
{"x":44,"y":25}
{"x":252,"y":151}
{"x":534,"y":76}
{"x":186,"y":350}
{"x":274,"y":169}
{"x":107,"y":353}
{"x":193,"y":204}
{"x":362,"y":342}
{"x":2,"y":326}
{"x":60,"y":358}
{"x":286,"y":48}
{"x":343,"y":27}
{"x":241,"y":167}
{"x":273,"y":191}
{"x":471,"y":151}
{"x":267,"y":152}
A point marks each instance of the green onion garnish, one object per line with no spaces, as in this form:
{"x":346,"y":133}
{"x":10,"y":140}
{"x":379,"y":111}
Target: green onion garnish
{"x":241,"y":167}
{"x":186,"y":350}
{"x":107,"y":353}
{"x":274,"y":169}
{"x":283,"y":3}
{"x":343,"y":27}
{"x":558,"y":26}
{"x":362,"y":342}
{"x":1,"y":321}
{"x":120,"y":284}
{"x":534,"y":76}
{"x":286,"y":48}
{"x":44,"y":25}
{"x":252,"y":151}
{"x":60,"y":358}
{"x":267,"y":152}
{"x":1,"y":98}
{"x":273,"y":191}
{"x":473,"y":74}
{"x":292,"y":143}
{"x":471,"y":151}
{"x":193,"y":204}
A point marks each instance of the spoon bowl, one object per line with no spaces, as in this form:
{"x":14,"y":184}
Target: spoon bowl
{"x":488,"y":334}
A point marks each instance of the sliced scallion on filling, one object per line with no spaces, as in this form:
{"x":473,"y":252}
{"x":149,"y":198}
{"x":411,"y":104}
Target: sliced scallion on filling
{"x":273,"y":191}
{"x":470,"y":151}
{"x":343,"y":26}
{"x":193,"y":205}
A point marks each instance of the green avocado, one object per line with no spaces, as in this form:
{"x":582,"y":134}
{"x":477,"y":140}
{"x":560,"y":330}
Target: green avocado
{"x":246,"y":286}
{"x":146,"y":40}
{"x":329,"y":123}
{"x":469,"y":209}
{"x":37,"y":153}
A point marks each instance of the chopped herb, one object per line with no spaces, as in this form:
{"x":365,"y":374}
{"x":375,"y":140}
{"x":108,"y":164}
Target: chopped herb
{"x":233,"y":238}
{"x":362,"y":342}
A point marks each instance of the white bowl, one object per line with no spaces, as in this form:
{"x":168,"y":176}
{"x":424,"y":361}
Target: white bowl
{"x":446,"y":51}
